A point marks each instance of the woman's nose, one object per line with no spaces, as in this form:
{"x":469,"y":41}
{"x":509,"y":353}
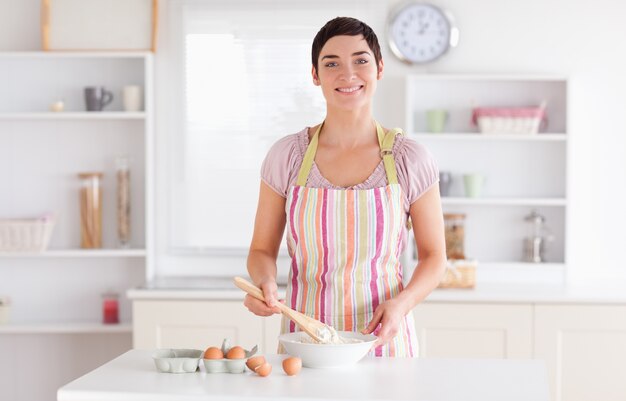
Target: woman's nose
{"x":348,"y":73}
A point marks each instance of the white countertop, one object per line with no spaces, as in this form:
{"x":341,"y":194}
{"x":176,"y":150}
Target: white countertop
{"x":133,"y":377}
{"x":223,"y":289}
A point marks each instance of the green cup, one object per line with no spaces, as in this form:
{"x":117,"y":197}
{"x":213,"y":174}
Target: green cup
{"x":473,"y":184}
{"x":436,"y":120}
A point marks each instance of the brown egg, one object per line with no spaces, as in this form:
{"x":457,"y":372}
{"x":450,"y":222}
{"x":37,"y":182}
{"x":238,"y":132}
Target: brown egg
{"x":292,"y":366}
{"x":236,"y":352}
{"x":264,"y":370}
{"x":254,"y":362}
{"x":213,"y":353}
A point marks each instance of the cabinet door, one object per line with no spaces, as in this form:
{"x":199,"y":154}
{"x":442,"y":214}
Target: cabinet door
{"x":584,"y":347}
{"x":272,"y":331}
{"x":195,"y":324}
{"x":474,"y":330}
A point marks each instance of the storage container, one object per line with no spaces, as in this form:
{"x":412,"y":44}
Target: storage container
{"x":26,"y":235}
{"x":90,"y":210}
{"x":510,"y":120}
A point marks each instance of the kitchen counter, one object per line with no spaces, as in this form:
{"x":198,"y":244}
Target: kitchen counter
{"x":133,"y":377}
{"x":208,"y":288}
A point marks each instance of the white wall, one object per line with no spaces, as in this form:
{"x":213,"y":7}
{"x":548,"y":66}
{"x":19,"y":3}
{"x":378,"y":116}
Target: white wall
{"x":578,"y":40}
{"x":571,"y":38}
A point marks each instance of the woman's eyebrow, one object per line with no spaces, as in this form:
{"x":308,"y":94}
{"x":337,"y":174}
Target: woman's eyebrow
{"x":353,"y":54}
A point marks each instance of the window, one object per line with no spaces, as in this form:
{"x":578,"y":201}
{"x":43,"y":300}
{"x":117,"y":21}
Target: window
{"x":244,"y":81}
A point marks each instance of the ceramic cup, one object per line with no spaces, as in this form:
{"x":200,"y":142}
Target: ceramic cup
{"x":5,"y":309}
{"x":132,"y":97}
{"x":473,"y":184}
{"x":436,"y":120}
{"x":97,"y":97}
{"x":445,"y":180}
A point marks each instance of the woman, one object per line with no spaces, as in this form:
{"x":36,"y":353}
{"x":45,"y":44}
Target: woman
{"x":344,"y":190}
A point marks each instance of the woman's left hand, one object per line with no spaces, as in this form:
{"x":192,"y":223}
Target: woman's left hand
{"x":389,"y":315}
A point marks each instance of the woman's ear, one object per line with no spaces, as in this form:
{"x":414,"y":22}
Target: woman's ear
{"x":316,"y":80}
{"x":381,"y":66}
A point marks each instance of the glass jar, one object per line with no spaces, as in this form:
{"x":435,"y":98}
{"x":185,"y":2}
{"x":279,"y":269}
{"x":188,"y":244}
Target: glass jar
{"x":110,"y":308}
{"x":123,"y":201}
{"x":455,"y":235}
{"x":90,"y":210}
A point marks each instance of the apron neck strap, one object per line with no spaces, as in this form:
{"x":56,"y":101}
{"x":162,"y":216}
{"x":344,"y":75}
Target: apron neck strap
{"x":385,"y":141}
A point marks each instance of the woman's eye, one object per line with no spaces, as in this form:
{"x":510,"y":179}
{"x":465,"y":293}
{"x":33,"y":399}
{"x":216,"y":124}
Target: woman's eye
{"x":331,"y":64}
{"x":362,"y":61}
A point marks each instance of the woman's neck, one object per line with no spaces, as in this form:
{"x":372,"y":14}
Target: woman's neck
{"x":348,"y":129}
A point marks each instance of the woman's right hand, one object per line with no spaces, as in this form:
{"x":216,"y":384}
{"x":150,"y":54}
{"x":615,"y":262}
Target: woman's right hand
{"x":267,"y":308}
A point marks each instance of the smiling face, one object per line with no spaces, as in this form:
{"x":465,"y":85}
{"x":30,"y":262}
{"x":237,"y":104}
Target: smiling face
{"x":347,"y":72}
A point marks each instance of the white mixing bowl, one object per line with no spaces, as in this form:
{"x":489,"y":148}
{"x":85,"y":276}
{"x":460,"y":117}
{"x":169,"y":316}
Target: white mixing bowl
{"x":327,"y":355}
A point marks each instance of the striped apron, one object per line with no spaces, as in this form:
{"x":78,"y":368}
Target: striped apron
{"x":345,"y":248}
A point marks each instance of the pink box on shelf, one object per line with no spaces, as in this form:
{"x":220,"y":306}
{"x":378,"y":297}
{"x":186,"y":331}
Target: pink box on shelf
{"x":510,"y":120}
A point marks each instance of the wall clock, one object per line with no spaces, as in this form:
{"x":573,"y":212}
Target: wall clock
{"x":421,"y":32}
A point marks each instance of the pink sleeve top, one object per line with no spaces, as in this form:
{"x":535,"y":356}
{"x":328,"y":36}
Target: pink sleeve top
{"x":417,"y":170}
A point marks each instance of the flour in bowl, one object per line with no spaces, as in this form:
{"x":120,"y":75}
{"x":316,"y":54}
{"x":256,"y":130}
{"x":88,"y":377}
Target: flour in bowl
{"x":328,"y":335}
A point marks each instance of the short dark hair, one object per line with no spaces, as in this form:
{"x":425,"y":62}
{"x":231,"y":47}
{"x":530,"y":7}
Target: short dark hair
{"x":345,"y":26}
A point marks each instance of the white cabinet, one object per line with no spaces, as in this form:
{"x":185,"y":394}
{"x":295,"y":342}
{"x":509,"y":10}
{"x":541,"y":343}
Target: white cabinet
{"x":41,"y":154}
{"x":200,"y":324}
{"x":521,"y":172}
{"x":56,"y":294}
{"x":584,"y":347}
{"x":474,"y":330}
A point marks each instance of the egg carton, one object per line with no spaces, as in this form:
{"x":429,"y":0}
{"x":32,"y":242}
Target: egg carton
{"x":225,"y":365}
{"x":177,"y":360}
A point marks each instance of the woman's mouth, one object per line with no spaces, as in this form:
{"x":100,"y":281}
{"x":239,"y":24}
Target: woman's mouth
{"x":350,"y":90}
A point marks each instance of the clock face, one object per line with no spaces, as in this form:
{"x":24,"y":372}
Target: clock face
{"x":420,"y":33}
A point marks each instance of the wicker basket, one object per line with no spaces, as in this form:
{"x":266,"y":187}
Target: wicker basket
{"x":510,"y":120}
{"x":459,"y":274}
{"x":26,"y":235}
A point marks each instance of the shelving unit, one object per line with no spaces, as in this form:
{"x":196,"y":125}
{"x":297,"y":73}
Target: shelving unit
{"x":78,"y":253}
{"x":74,"y":116}
{"x":473,"y":136}
{"x":504,"y":201}
{"x":522,"y":172}
{"x":56,"y":304}
{"x":41,"y":153}
{"x":65,"y":328}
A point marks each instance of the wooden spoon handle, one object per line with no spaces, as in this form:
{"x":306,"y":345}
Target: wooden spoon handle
{"x":258,"y":294}
{"x":306,"y":323}
{"x":249,"y":288}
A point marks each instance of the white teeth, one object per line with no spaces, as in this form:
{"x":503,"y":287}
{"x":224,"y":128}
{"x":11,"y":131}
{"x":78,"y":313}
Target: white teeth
{"x":348,"y":90}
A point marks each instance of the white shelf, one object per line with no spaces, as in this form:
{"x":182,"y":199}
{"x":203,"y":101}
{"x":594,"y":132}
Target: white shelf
{"x":75,"y":54}
{"x":488,"y":77}
{"x":80,"y":115}
{"x":475,"y":136}
{"x":78,"y":253}
{"x":521,"y":172}
{"x":504,"y":201}
{"x":514,"y":265}
{"x":64,"y":328}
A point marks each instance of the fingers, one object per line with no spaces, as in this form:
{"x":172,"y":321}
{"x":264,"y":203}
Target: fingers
{"x":258,"y":307}
{"x":270,"y":292}
{"x":378,"y":314}
{"x":388,"y":330}
{"x":386,"y":333}
{"x":384,"y":325}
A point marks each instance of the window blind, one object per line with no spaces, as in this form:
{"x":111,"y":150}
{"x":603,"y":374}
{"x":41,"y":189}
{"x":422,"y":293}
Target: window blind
{"x":245,"y":74}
